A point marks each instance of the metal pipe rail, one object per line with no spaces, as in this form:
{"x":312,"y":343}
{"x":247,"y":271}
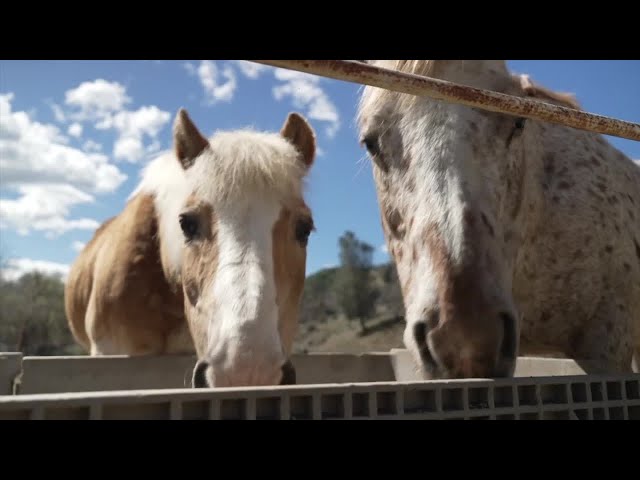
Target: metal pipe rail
{"x":358,"y":72}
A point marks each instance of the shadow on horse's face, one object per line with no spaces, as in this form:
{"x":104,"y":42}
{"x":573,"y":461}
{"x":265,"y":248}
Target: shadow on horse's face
{"x":447,"y":179}
{"x":245,"y":228}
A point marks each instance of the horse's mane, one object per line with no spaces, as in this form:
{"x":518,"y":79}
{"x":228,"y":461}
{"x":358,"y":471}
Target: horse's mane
{"x":527,"y":87}
{"x":539,"y":92}
{"x":247,"y":162}
{"x":240,"y":162}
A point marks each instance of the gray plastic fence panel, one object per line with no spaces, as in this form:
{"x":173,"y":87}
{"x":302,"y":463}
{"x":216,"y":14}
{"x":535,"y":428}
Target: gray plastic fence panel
{"x":382,"y":385}
{"x":10,"y":368}
{"x":109,"y":373}
{"x":579,"y":397}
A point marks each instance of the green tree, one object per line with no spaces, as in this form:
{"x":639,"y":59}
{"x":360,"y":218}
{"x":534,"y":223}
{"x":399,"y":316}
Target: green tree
{"x":391,"y":295}
{"x":32,"y":316}
{"x":355,"y":290}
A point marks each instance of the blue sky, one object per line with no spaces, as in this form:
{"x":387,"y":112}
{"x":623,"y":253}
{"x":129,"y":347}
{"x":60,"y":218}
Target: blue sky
{"x":75,"y":134}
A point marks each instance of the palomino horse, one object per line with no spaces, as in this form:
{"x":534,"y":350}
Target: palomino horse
{"x":210,"y":250}
{"x":510,"y":237}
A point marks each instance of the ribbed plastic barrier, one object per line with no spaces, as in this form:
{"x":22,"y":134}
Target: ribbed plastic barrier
{"x":333,"y":386}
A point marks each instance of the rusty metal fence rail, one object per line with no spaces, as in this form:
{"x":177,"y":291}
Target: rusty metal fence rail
{"x":361,"y":73}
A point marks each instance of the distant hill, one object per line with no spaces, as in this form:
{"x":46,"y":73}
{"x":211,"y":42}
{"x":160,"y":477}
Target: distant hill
{"x":32,"y":317}
{"x":324,"y":328}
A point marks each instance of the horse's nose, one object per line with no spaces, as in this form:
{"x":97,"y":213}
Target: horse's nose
{"x":451,"y":349}
{"x":199,"y":378}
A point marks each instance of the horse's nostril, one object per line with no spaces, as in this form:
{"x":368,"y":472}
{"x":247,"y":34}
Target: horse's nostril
{"x":422,"y":328}
{"x":509,"y":339}
{"x":288,"y":374}
{"x":199,"y":379}
{"x":420,"y":333}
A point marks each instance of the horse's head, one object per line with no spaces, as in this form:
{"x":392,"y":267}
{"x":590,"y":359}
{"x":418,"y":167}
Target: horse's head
{"x":244,"y":228}
{"x":451,"y":182}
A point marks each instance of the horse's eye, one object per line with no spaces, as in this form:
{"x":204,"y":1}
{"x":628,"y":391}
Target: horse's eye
{"x":370,"y":142}
{"x":372,"y":145}
{"x":303,"y":230}
{"x":517,"y":130}
{"x":189,"y":225}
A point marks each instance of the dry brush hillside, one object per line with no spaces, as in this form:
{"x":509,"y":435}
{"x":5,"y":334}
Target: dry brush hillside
{"x":32,"y":317}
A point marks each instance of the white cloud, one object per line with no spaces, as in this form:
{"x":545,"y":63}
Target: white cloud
{"x":78,"y":246}
{"x":49,"y":176}
{"x":153,"y":147}
{"x":145,"y":120}
{"x":190,"y":68}
{"x":58,"y":113}
{"x":132,"y":126}
{"x":104,"y":103}
{"x":91,"y":146}
{"x":303,"y":89}
{"x":306,"y":93}
{"x":75,"y":130}
{"x":384,"y":249}
{"x":45,"y":208}
{"x":128,"y":148}
{"x":324,"y":110}
{"x":219,"y":86}
{"x":17,"y":267}
{"x":36,"y":153}
{"x":250,"y":69}
{"x":96,"y":99}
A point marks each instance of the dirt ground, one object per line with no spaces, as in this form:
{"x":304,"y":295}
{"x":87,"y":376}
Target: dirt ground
{"x":339,"y":335}
{"x":343,"y":336}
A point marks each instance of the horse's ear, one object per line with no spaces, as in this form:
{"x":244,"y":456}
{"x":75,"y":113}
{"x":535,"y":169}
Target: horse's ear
{"x":188,"y":142}
{"x":539,"y":92}
{"x":298,"y":131}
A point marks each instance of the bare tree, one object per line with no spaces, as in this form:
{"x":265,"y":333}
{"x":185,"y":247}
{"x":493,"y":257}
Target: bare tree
{"x":355,"y":290}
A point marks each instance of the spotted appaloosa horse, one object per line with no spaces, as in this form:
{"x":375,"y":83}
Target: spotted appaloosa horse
{"x":208,"y":254}
{"x":511,"y":237}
